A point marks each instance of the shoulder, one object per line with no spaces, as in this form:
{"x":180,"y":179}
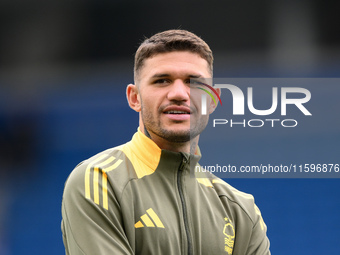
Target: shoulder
{"x":242,"y":201}
{"x":101,"y":160}
{"x":101,"y":170}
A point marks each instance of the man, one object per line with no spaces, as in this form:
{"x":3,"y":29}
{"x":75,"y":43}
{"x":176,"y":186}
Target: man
{"x":142,"y":197}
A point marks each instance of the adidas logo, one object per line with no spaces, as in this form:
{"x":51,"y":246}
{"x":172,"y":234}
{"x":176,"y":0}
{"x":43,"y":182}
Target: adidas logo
{"x":150,"y":220}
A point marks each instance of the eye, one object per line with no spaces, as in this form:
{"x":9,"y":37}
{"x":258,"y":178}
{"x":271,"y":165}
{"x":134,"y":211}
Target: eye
{"x":195,"y":83}
{"x":187,"y":81}
{"x":162,"y":81}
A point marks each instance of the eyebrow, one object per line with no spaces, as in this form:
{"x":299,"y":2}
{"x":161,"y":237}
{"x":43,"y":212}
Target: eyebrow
{"x":162,"y":75}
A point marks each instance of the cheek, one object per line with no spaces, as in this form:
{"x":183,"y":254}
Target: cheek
{"x":148,"y":105}
{"x":152,"y":100}
{"x":197,"y":103}
{"x":196,"y":98}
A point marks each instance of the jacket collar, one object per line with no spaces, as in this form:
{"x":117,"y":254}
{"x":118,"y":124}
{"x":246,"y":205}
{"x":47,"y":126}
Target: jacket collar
{"x":145,"y":149}
{"x":149,"y":152}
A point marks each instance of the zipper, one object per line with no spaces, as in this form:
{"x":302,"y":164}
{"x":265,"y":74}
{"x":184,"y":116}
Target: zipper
{"x":185,"y":161}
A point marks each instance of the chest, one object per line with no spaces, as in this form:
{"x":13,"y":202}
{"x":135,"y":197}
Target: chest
{"x":176,"y":218}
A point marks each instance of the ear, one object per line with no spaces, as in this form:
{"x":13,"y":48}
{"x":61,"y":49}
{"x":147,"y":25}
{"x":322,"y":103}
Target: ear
{"x":133,"y":97}
{"x":212,"y":105}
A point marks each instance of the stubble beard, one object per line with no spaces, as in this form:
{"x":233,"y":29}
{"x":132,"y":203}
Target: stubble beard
{"x":183,"y":136}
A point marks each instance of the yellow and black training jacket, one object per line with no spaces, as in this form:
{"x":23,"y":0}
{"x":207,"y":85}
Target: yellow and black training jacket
{"x":139,"y":199}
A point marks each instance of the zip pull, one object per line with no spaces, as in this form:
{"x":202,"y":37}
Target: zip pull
{"x":185,"y":160}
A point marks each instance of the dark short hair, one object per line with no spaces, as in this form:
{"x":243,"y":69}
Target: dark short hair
{"x":169,"y":41}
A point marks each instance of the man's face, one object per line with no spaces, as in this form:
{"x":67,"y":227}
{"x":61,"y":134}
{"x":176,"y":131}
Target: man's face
{"x":171,"y":110}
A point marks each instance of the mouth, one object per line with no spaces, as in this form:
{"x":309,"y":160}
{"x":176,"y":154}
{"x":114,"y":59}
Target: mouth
{"x":177,"y":109}
{"x":177,"y":113}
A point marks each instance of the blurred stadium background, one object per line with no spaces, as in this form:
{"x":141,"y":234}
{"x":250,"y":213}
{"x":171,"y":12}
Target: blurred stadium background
{"x":64,"y":66}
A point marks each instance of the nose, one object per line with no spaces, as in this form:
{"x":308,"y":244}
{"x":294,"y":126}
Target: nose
{"x":179,"y":91}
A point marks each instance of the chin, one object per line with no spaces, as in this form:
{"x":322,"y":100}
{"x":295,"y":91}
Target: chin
{"x":177,"y":136}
